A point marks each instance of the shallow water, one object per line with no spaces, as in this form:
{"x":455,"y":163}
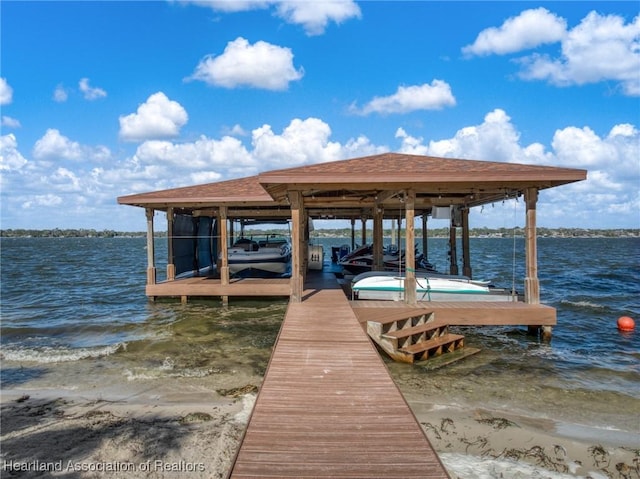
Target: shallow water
{"x":74,"y":313}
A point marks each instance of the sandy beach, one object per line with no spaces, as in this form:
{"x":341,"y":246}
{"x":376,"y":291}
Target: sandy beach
{"x":186,"y":428}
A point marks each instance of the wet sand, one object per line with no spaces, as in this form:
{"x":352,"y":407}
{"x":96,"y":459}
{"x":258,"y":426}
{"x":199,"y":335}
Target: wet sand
{"x":185,"y":427}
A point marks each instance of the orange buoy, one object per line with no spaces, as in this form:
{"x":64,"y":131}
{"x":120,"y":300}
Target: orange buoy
{"x":625,"y":323}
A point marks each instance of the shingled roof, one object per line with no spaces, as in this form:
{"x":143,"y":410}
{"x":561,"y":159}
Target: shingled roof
{"x":389,"y":171}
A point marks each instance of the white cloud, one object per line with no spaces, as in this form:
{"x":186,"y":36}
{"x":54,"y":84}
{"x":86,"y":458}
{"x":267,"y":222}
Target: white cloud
{"x":55,"y":146}
{"x":47,"y":200}
{"x":90,"y":93}
{"x":60,"y":94}
{"x":10,"y":122}
{"x":601,"y":48}
{"x":528,"y":30}
{"x":231,"y":6}
{"x":434,"y":96}
{"x":198,"y":155}
{"x":302,"y":142}
{"x":261,"y":65}
{"x":10,"y":157}
{"x":87,"y":190}
{"x":6,"y":92}
{"x":158,"y":117}
{"x":496,"y":139}
{"x":313,"y":16}
{"x":611,"y":188}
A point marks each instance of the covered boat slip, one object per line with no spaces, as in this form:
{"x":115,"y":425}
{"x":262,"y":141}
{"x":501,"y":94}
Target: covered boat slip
{"x":369,"y":189}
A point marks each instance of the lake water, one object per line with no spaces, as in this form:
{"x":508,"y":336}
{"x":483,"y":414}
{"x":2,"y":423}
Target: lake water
{"x":71,"y":302}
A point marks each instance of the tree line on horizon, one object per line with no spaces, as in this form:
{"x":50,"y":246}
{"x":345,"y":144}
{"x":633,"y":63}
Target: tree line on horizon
{"x":330,"y":233}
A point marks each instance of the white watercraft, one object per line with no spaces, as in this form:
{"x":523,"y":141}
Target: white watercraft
{"x":429,"y":287}
{"x":270,"y":256}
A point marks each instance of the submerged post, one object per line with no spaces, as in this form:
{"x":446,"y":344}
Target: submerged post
{"x":151,"y":262}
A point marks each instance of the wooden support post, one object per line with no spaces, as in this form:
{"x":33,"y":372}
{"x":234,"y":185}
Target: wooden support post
{"x":224,"y":251}
{"x":364,"y":230}
{"x":151,"y":256}
{"x":171,"y":267}
{"x":531,"y":283}
{"x":297,"y":235}
{"x":410,"y":293}
{"x":425,"y":238}
{"x":353,"y":234}
{"x":453,"y":251}
{"x":466,"y":254}
{"x":378,"y":213}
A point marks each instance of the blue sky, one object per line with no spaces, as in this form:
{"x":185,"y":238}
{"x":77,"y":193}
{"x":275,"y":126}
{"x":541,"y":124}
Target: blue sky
{"x":103,"y":99}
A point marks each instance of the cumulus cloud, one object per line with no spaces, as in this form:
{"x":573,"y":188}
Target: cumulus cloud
{"x":198,"y":155}
{"x":611,"y":162}
{"x":495,"y":139}
{"x":528,"y":30}
{"x":261,"y":65}
{"x":601,"y":48}
{"x":301,"y":142}
{"x":158,"y":117}
{"x":89,"y":92}
{"x":10,"y":157}
{"x":88,"y":189}
{"x":6,"y":92}
{"x":55,"y":146}
{"x":313,"y":16}
{"x":434,"y":96}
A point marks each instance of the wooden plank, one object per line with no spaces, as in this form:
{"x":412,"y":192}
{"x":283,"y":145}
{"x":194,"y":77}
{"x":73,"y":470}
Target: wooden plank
{"x":203,"y":286}
{"x":432,"y":343}
{"x":328,"y":406}
{"x":480,"y":313}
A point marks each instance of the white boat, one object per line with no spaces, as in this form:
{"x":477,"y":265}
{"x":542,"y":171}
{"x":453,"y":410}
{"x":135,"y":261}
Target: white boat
{"x":270,"y":256}
{"x":436,"y":287}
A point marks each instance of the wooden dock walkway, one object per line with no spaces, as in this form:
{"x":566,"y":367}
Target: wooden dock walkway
{"x":328,"y":406}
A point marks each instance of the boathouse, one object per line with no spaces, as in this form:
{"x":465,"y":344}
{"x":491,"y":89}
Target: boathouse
{"x":358,"y":424}
{"x":372,"y":188}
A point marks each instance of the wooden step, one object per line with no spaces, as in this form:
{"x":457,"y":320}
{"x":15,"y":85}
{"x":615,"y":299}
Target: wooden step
{"x":390,"y":315}
{"x":446,"y":343}
{"x":421,"y":328}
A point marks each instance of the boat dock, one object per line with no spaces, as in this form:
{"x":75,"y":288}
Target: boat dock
{"x":328,"y":406}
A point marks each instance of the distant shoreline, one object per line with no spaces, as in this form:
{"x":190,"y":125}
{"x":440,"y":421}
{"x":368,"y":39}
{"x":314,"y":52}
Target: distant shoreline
{"x":344,"y":233}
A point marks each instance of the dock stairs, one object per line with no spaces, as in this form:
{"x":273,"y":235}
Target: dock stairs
{"x":415,"y":335}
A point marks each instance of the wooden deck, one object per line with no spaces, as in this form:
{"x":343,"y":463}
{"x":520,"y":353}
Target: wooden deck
{"x":207,"y":286}
{"x":328,"y":406}
{"x":481,"y":313}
